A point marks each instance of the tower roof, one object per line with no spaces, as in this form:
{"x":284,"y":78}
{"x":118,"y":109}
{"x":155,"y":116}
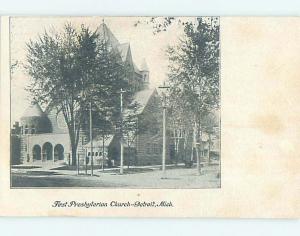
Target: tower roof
{"x":105,"y":32}
{"x":33,"y":110}
{"x":144,"y":66}
{"x":123,"y":49}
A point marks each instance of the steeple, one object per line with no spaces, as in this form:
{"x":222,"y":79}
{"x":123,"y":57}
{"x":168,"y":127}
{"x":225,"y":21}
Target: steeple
{"x":105,"y":33}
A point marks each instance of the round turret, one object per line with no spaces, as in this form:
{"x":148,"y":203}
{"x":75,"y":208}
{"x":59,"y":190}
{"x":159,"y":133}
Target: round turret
{"x":34,"y":120}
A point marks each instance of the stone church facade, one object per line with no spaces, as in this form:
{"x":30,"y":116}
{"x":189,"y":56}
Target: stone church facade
{"x":42,"y":137}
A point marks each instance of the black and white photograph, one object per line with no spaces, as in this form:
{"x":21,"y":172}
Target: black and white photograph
{"x":115,"y":102}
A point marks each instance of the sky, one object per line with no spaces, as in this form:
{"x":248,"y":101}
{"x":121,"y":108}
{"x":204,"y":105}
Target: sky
{"x":143,"y":43}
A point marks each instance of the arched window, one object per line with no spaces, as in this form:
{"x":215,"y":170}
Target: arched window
{"x":36,"y":153}
{"x":47,"y":151}
{"x":32,"y":129}
{"x":59,"y":152}
{"x":26,"y":129}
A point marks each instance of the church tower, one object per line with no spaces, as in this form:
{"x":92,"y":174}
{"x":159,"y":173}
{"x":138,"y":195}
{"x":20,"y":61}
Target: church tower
{"x":145,"y":73}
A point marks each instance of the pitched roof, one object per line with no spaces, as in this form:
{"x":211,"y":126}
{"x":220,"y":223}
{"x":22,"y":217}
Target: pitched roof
{"x":141,"y":98}
{"x":105,"y":32}
{"x":122,"y":48}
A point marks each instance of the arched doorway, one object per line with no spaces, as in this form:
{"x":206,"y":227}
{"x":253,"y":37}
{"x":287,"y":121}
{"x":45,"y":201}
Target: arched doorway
{"x":36,"y":153}
{"x":59,"y":152}
{"x":47,"y":151}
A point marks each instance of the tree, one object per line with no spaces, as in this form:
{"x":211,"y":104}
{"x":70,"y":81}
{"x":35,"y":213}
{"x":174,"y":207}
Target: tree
{"x":194,"y":75}
{"x":72,"y":70}
{"x":61,"y":66}
{"x":113,"y":76}
{"x":179,"y":123}
{"x":130,"y":128}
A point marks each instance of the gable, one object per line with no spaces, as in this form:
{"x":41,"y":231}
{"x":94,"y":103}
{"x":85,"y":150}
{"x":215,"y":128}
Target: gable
{"x":57,"y":121}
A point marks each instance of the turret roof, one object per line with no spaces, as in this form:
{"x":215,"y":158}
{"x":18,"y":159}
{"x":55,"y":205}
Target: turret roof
{"x":33,"y":110}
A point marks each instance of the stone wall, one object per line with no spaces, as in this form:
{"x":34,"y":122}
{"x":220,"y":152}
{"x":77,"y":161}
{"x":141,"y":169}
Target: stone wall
{"x":29,"y":141}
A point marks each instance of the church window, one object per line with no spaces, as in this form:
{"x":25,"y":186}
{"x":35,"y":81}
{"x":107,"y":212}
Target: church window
{"x":89,"y":153}
{"x":32,"y":129}
{"x":148,"y":150}
{"x":26,"y":129}
{"x":155,"y":148}
{"x":96,"y":154}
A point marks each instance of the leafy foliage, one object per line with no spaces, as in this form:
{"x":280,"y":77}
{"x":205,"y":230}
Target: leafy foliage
{"x":193,"y":76}
{"x":194,"y":68}
{"x":71,"y":70}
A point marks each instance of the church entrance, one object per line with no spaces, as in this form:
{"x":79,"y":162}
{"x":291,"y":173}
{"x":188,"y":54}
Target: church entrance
{"x":36,"y":153}
{"x":47,"y":152}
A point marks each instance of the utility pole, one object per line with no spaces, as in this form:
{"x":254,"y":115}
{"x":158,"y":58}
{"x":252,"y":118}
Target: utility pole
{"x":91,"y":139}
{"x":164,"y":141}
{"x":121,"y":140}
{"x":164,"y":132}
{"x":103,"y":149}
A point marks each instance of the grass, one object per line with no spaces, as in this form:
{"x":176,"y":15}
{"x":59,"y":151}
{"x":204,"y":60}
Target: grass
{"x":25,"y":167}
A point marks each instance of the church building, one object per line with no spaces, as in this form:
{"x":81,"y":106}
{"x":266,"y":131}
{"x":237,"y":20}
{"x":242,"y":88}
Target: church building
{"x":41,"y":137}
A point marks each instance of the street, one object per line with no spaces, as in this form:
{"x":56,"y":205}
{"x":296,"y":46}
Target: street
{"x":176,"y":177}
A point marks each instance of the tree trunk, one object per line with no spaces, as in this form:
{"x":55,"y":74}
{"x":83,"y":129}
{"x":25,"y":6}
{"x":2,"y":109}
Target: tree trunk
{"x":73,"y":147}
{"x":103,"y":150}
{"x":198,"y":161}
{"x":74,"y":155}
{"x":197,"y":149}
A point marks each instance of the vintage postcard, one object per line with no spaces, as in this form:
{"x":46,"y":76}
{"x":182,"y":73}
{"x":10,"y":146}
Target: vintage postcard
{"x":150,"y":116}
